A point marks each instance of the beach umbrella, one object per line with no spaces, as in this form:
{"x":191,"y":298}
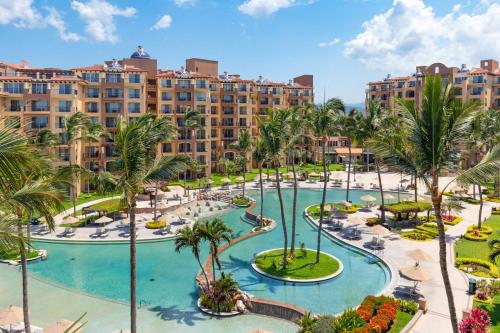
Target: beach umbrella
{"x":240,"y":179}
{"x":225,"y":180}
{"x":71,"y":219}
{"x":11,"y":315}
{"x":389,"y":197}
{"x":356,"y":220}
{"x":380,"y":230}
{"x":418,"y":255}
{"x":415,"y":273}
{"x":60,"y":327}
{"x":345,"y":203}
{"x":368,"y":198}
{"x":103,"y":220}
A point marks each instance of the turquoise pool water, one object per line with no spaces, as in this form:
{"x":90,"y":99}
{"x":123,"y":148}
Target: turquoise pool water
{"x":166,"y":278}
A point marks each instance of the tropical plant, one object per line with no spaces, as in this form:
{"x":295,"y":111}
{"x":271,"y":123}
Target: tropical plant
{"x":349,"y":122}
{"x":478,"y":322}
{"x":435,"y":131}
{"x":243,"y":147}
{"x":273,"y":129}
{"x":221,"y":295}
{"x":324,"y":122}
{"x":133,"y":170}
{"x":494,"y":245}
{"x":259,"y":156}
{"x":44,"y":139}
{"x":306,"y":322}
{"x":215,"y":232}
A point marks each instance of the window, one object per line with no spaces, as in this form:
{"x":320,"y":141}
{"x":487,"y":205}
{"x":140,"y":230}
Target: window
{"x":166,"y":83}
{"x":412,"y":84}
{"x":458,"y":91}
{"x":13,"y":88}
{"x":227,"y":110}
{"x":113,"y":93}
{"x":91,"y":107}
{"x":227,"y":87}
{"x":113,"y":107}
{"x":184,"y":96}
{"x":60,"y":122}
{"x":276,"y":101}
{"x":134,"y":78}
{"x":243,"y":121}
{"x":200,"y":97}
{"x":213,"y":110}
{"x":227,"y":122}
{"x":16,"y":105}
{"x":294,"y":102}
{"x":90,"y":77}
{"x":477,"y":90}
{"x":184,"y":147}
{"x":113,"y":78}
{"x":134,"y":93}
{"x":400,"y":84}
{"x":276,"y":90}
{"x":63,"y":153}
{"x":39,"y":122}
{"x":243,"y":110}
{"x":40,"y":106}
{"x":64,"y":106}
{"x":201,"y":134}
{"x":65,"y":89}
{"x":134,"y":107}
{"x":227,"y":133}
{"x":263,"y":90}
{"x":166,"y":147}
{"x":228,"y":99}
{"x":201,"y":159}
{"x":294,"y":92}
{"x":166,"y":96}
{"x":110,"y":151}
{"x":410,"y":94}
{"x":166,"y":108}
{"x":213,"y":86}
{"x":459,"y":80}
{"x":213,"y":122}
{"x":39,"y":88}
{"x":200,"y":147}
{"x":182,"y":108}
{"x":110,"y":123}
{"x":200,"y":84}
{"x":201,"y":109}
{"x":264,"y":100}
{"x":93,"y":92}
{"x":185,"y":84}
{"x":94,"y":120}
{"x":478,"y":79}
{"x":242,"y":87}
{"x":242,"y":99}
{"x":213,"y":98}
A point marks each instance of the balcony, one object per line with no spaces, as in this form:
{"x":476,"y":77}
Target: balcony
{"x":91,"y":155}
{"x":183,"y":86}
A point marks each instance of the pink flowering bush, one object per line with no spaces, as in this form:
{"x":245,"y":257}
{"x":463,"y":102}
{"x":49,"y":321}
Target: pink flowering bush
{"x":477,"y":322}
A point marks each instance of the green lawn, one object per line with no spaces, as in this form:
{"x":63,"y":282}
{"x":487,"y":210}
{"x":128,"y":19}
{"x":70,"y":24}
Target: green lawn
{"x":494,"y":311}
{"x":469,"y":249}
{"x":315,"y":210}
{"x":402,"y":318}
{"x":13,"y":254}
{"x":86,"y":197}
{"x":301,"y":267}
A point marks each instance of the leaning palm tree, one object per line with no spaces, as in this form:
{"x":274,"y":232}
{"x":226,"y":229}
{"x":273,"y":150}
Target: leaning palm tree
{"x":435,"y":130}
{"x":273,"y":131}
{"x":324,"y":123}
{"x":191,"y":238}
{"x":134,"y":171}
{"x":215,"y":232}
{"x":259,"y":156}
{"x":243,"y":146}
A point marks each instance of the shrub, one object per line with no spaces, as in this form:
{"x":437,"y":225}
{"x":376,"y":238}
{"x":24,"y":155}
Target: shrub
{"x":323,"y":324}
{"x":371,"y":221}
{"x":476,"y":236}
{"x":410,"y":307}
{"x":477,"y":322}
{"x":155,"y":224}
{"x":348,"y":321}
{"x":487,"y":230}
{"x":472,"y":201}
{"x":241,"y":201}
{"x":418,"y":236}
{"x":493,"y":269}
{"x":482,"y":295}
{"x":408,"y":207}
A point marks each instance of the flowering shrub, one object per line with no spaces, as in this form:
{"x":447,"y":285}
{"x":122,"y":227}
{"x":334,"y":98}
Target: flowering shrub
{"x":364,"y":314}
{"x":482,"y":295}
{"x":478,"y":322}
{"x":388,"y":310}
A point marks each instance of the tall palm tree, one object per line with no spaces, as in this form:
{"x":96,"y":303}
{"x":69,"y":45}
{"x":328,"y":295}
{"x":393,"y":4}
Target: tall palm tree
{"x":93,"y":133}
{"x":44,"y":139}
{"x":435,"y":131}
{"x":243,"y":146}
{"x":191,"y":238}
{"x":215,"y":232}
{"x":349,"y":127}
{"x":259,"y":155}
{"x":134,"y":171}
{"x":273,"y":131}
{"x":324,"y":124}
{"x":192,"y":124}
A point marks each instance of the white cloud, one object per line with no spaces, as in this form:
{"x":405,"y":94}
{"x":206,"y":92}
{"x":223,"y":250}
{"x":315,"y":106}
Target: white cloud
{"x":262,"y":8}
{"x":334,"y":41}
{"x":184,"y":2}
{"x":410,"y":34}
{"x":99,"y":17}
{"x":23,"y":14}
{"x":164,"y":22}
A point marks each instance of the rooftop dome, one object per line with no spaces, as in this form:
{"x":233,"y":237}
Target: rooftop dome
{"x":140,"y":53}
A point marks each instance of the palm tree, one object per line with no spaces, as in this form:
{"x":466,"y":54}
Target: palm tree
{"x":215,"y":232}
{"x":134,"y":170}
{"x":191,"y":238}
{"x":324,"y":120}
{"x":349,"y":122}
{"x":435,"y":131}
{"x":192,"y":124}
{"x":494,"y":245}
{"x":273,"y":131}
{"x":243,"y":146}
{"x":93,"y":133}
{"x":259,"y":156}
{"x":44,"y":139}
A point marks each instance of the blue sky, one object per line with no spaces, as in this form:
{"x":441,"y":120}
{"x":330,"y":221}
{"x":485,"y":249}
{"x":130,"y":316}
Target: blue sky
{"x":344,"y":43}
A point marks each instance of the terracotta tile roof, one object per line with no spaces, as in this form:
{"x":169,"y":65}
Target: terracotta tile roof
{"x":478,"y":71}
{"x":16,"y":66}
{"x":15,"y":78}
{"x":399,"y":78}
{"x":66,"y":79}
{"x":345,"y":150}
{"x":100,"y":68}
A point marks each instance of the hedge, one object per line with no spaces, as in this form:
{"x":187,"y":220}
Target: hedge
{"x":417,"y":236}
{"x":155,"y":225}
{"x":487,"y":230}
{"x":476,"y":237}
{"x":408,"y":207}
{"x":494,"y":273}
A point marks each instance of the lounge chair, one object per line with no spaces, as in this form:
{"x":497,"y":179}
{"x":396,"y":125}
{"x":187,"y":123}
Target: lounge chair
{"x":68,"y":232}
{"x":43,"y":230}
{"x":165,"y":230}
{"x":380,"y":245}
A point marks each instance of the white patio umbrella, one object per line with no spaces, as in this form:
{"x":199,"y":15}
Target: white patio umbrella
{"x":103,"y":220}
{"x":71,"y":219}
{"x":345,"y":203}
{"x":415,"y":273}
{"x":61,"y":327}
{"x":356,"y":220}
{"x":11,"y":315}
{"x":389,"y":197}
{"x":240,"y":179}
{"x":418,"y":255}
{"x":368,"y":198}
{"x":380,"y":230}
{"x":225,"y":180}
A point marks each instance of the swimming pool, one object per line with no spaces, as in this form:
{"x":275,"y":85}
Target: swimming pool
{"x":166,"y":279}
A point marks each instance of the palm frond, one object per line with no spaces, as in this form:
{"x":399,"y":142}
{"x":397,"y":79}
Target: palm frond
{"x":481,"y":173}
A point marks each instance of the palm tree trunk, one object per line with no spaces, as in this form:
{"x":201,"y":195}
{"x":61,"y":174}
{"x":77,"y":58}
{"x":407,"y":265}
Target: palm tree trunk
{"x":72,"y":186}
{"x":480,"y":215}
{"x":155,"y":202}
{"x":294,"y":208}
{"x":24,"y":274}
{"x":204,"y":273}
{"x":322,"y":207}
{"x":382,"y":202}
{"x":436,"y":201}
{"x":348,"y":172}
{"x":244,"y":181}
{"x":133,"y":292}
{"x":283,"y":222}
{"x":261,"y":197}
{"x":213,"y":263}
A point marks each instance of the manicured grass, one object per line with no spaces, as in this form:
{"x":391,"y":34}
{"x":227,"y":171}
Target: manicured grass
{"x":494,"y":310}
{"x":86,"y":197}
{"x":402,"y":318}
{"x":13,"y":254}
{"x":241,"y":201}
{"x":470,"y":249}
{"x":111,"y":205}
{"x":300,"y":267}
{"x":315,"y":211}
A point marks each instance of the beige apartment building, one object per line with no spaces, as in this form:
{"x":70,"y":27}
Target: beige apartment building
{"x":481,"y":84}
{"x":37,"y":98}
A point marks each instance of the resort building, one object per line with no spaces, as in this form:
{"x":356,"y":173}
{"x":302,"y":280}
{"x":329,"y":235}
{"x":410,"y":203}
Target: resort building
{"x":480,"y":84}
{"x":37,"y":98}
